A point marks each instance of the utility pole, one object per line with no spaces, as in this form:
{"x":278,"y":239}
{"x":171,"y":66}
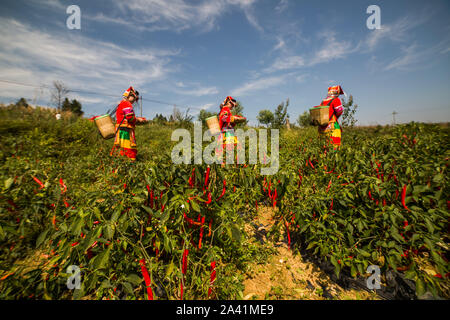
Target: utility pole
{"x":393,"y":116}
{"x":141,"y":106}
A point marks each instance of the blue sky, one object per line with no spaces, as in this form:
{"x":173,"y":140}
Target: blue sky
{"x":195,"y":53}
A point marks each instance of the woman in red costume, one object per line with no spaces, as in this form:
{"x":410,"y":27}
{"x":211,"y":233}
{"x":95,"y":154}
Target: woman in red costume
{"x":125,"y":139}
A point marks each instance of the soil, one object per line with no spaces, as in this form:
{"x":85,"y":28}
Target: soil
{"x":285,"y":275}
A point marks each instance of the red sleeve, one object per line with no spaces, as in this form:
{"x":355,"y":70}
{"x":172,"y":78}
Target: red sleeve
{"x":224,"y":116}
{"x":125,"y":109}
{"x":337,"y":107}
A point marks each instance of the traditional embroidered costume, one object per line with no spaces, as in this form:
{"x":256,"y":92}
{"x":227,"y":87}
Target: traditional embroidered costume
{"x":227,"y":122}
{"x":333,"y":129}
{"x":125,"y":139}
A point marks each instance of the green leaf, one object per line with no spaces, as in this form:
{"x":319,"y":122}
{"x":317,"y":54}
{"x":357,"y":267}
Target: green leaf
{"x":169,"y":269}
{"x":353,"y":271}
{"x":97,"y":213}
{"x":164,"y":216}
{"x":128,"y":288}
{"x":194,"y":205}
{"x":8,"y":183}
{"x":2,"y":233}
{"x":109,"y":232}
{"x":236,"y":234}
{"x":116,"y":213}
{"x":364,"y":253}
{"x":420,"y":287}
{"x":134,"y":279}
{"x":101,"y":259}
{"x":78,"y":293}
{"x":41,"y":237}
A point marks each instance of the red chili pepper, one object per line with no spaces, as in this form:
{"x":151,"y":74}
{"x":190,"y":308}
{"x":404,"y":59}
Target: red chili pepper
{"x":151,"y":198}
{"x":148,"y":194}
{"x":329,"y":185}
{"x":74,"y":244}
{"x":210,"y":228}
{"x":256,"y":205}
{"x":207,"y":177}
{"x":201,"y":234}
{"x":310,"y":163}
{"x":274,"y":198}
{"x":403,"y":198}
{"x":288,"y":235}
{"x":191,"y":179}
{"x":184,"y":261}
{"x":331,"y":206}
{"x":213,"y":277}
{"x":147,"y":279}
{"x":188,"y":219}
{"x":223,"y":189}
{"x":63,"y":186}
{"x":384,"y":202}
{"x":370,"y":195}
{"x":39,"y":182}
{"x":234,"y":188}
{"x":181,"y":290}
{"x":12,"y":203}
{"x":209,"y":198}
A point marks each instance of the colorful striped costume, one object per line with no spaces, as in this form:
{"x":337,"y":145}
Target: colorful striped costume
{"x":126,"y":122}
{"x":333,"y":129}
{"x":227,"y":140}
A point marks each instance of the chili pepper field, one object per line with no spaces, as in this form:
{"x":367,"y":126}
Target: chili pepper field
{"x":155,"y":230}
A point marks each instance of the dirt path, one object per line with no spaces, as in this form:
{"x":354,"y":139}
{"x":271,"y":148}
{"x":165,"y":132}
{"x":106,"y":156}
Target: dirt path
{"x":285,"y":276}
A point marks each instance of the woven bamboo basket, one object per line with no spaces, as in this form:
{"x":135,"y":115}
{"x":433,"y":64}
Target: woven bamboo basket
{"x":213,"y":125}
{"x":105,"y":126}
{"x":319,"y":115}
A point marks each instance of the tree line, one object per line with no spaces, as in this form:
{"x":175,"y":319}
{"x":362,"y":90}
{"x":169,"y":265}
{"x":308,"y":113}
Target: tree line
{"x":277,"y":119}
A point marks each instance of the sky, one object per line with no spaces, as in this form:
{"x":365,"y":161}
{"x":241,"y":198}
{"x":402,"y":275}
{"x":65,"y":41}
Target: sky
{"x":193,"y":54}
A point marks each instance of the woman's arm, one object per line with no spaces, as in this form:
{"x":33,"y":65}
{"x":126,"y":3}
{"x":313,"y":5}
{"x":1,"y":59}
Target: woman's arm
{"x":338,"y":108}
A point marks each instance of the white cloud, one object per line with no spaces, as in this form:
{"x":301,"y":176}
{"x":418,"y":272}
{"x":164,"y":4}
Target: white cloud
{"x":282,"y":6}
{"x":258,"y":84}
{"x":281,"y":45}
{"x":178,"y":15}
{"x":199,"y":91}
{"x":332,"y":49}
{"x":414,"y":57}
{"x":286,"y":63}
{"x":33,"y":56}
{"x":398,"y":31}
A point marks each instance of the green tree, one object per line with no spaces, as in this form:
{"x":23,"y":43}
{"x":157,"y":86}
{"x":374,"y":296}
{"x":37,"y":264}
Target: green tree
{"x":304,"y":120}
{"x":22,"y":102}
{"x":203,"y":115}
{"x":280,"y":115}
{"x":73,"y":106}
{"x":348,"y":116}
{"x":180,"y":118}
{"x":265,"y":117}
{"x":238,"y":110}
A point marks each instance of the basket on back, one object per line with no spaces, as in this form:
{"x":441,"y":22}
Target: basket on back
{"x":213,"y":125}
{"x":105,"y":126}
{"x":320,"y":115}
